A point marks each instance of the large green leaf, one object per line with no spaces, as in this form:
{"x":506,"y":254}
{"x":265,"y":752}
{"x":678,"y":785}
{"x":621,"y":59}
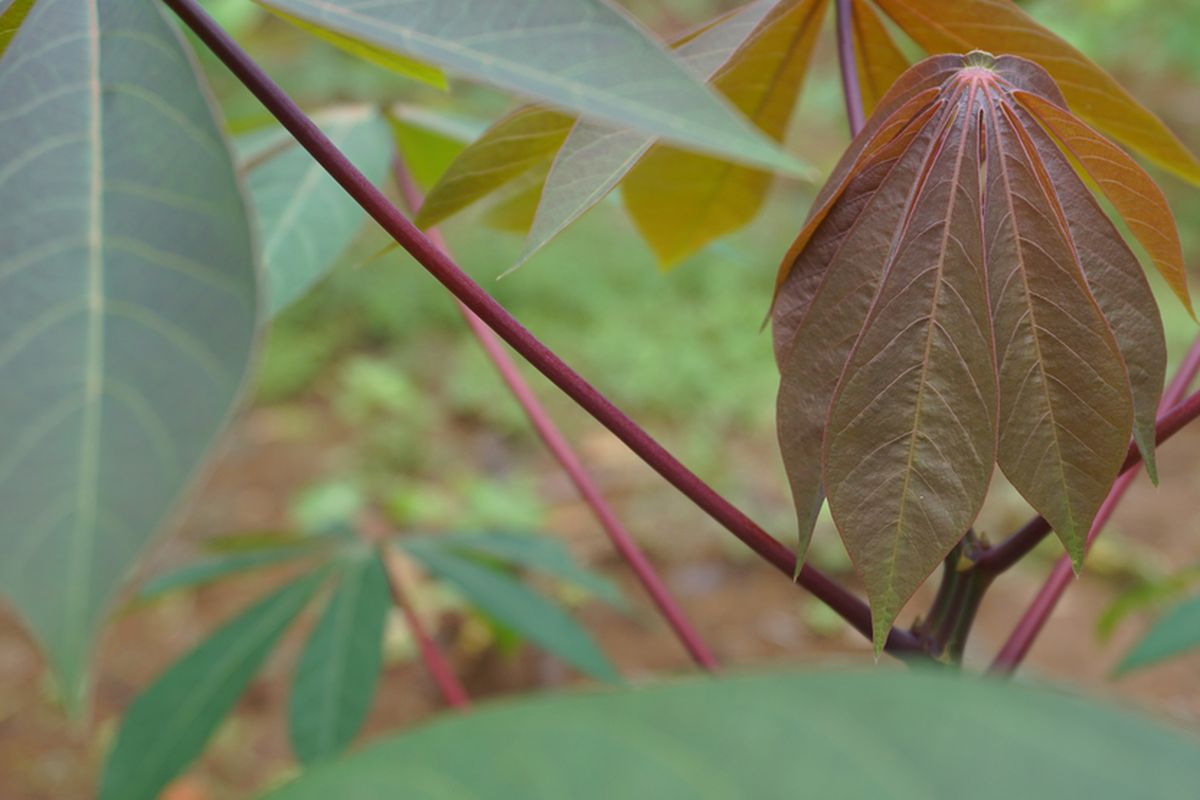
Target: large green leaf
{"x":169,"y":723}
{"x":337,"y":672}
{"x":1176,"y":633}
{"x":306,"y":219}
{"x":127,"y":310}
{"x":899,"y":734}
{"x":513,"y":604}
{"x":583,"y":55}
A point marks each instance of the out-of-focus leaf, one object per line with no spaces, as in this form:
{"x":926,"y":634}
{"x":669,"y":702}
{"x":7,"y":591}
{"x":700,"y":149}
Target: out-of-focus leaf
{"x":1152,"y":594}
{"x":681,"y":201}
{"x":254,"y":541}
{"x":337,"y":672}
{"x":587,"y":56}
{"x":960,"y":263}
{"x":379,"y":56}
{"x":430,"y":140}
{"x":725,"y":739}
{"x":12,"y":15}
{"x":879,"y":61}
{"x":1000,"y":26}
{"x":1132,"y":192}
{"x":596,"y":156}
{"x":205,"y":571}
{"x":128,"y":310}
{"x":305,"y":218}
{"x":515,"y":206}
{"x":168,"y":724}
{"x":536,"y":552}
{"x":513,"y":146}
{"x":1176,"y":633}
{"x":513,"y":604}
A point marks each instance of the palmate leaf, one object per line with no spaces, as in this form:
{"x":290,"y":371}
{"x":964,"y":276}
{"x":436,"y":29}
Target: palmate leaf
{"x":127,"y":310}
{"x":169,"y":723}
{"x":726,"y":739}
{"x":958,"y":299}
{"x":582,"y":55}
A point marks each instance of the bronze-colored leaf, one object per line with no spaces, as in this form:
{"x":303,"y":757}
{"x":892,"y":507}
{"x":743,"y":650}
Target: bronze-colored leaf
{"x":955,"y":26}
{"x":879,"y":60}
{"x":958,"y":300}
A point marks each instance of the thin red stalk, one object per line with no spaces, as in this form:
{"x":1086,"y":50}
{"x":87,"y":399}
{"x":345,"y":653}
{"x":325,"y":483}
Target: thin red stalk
{"x":851,"y":89}
{"x":376,"y":204}
{"x":435,"y":662}
{"x":1034,"y":619}
{"x":562,"y":451}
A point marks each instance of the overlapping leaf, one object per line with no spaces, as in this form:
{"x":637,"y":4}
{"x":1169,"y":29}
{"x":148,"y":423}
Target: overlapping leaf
{"x":958,"y":299}
{"x":582,"y":55}
{"x":128,"y":304}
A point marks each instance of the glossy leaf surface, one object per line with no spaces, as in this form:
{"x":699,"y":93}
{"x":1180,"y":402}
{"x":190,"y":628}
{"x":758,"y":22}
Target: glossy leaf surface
{"x":958,"y":300}
{"x":732,"y":739}
{"x":127,"y":310}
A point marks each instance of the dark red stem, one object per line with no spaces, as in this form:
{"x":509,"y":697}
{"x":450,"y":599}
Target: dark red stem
{"x":1034,"y":619}
{"x":435,"y":662}
{"x":851,"y":89}
{"x":565,"y":455}
{"x":376,"y":204}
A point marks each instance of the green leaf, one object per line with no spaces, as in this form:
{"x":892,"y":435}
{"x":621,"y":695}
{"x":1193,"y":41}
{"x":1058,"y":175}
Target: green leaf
{"x":531,"y":551}
{"x":511,"y":603}
{"x":586,"y":56}
{"x":207,"y":570}
{"x":843,"y":734}
{"x":337,"y":672}
{"x":306,"y":219}
{"x":430,"y":140}
{"x":168,"y":724}
{"x":1150,"y":594}
{"x":1176,"y":633}
{"x":127,"y":315}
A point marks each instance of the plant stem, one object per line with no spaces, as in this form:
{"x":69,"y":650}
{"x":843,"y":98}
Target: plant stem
{"x":1034,"y":619}
{"x":376,"y":204}
{"x":435,"y":662}
{"x":565,"y":455}
{"x":851,"y":89}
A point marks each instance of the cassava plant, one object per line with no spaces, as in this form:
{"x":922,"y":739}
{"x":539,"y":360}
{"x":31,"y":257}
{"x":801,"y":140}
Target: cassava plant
{"x":967,"y":291}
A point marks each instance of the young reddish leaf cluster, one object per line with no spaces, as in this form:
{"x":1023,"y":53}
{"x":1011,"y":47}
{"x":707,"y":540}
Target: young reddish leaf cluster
{"x":958,"y":299}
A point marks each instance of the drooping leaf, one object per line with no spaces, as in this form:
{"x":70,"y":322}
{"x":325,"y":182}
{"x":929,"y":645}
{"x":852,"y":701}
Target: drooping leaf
{"x":515,"y":605}
{"x":168,"y":724}
{"x":536,"y":552}
{"x":1176,"y":633}
{"x":207,"y":570}
{"x":514,"y":145}
{"x":681,"y":201}
{"x":596,"y":156}
{"x":127,"y":314}
{"x":957,"y":299}
{"x":725,"y":739}
{"x":305,"y":218}
{"x":879,"y":60}
{"x":1132,"y":192}
{"x":337,"y":672}
{"x":586,"y":56}
{"x":430,"y":139}
{"x":1000,"y":26}
{"x":379,"y":56}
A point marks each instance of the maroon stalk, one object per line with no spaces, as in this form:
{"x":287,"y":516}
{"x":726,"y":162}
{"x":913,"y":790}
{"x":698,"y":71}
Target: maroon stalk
{"x":1031,"y":623}
{"x":376,"y":204}
{"x":562,"y":451}
{"x":435,"y":662}
{"x":851,"y":89}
